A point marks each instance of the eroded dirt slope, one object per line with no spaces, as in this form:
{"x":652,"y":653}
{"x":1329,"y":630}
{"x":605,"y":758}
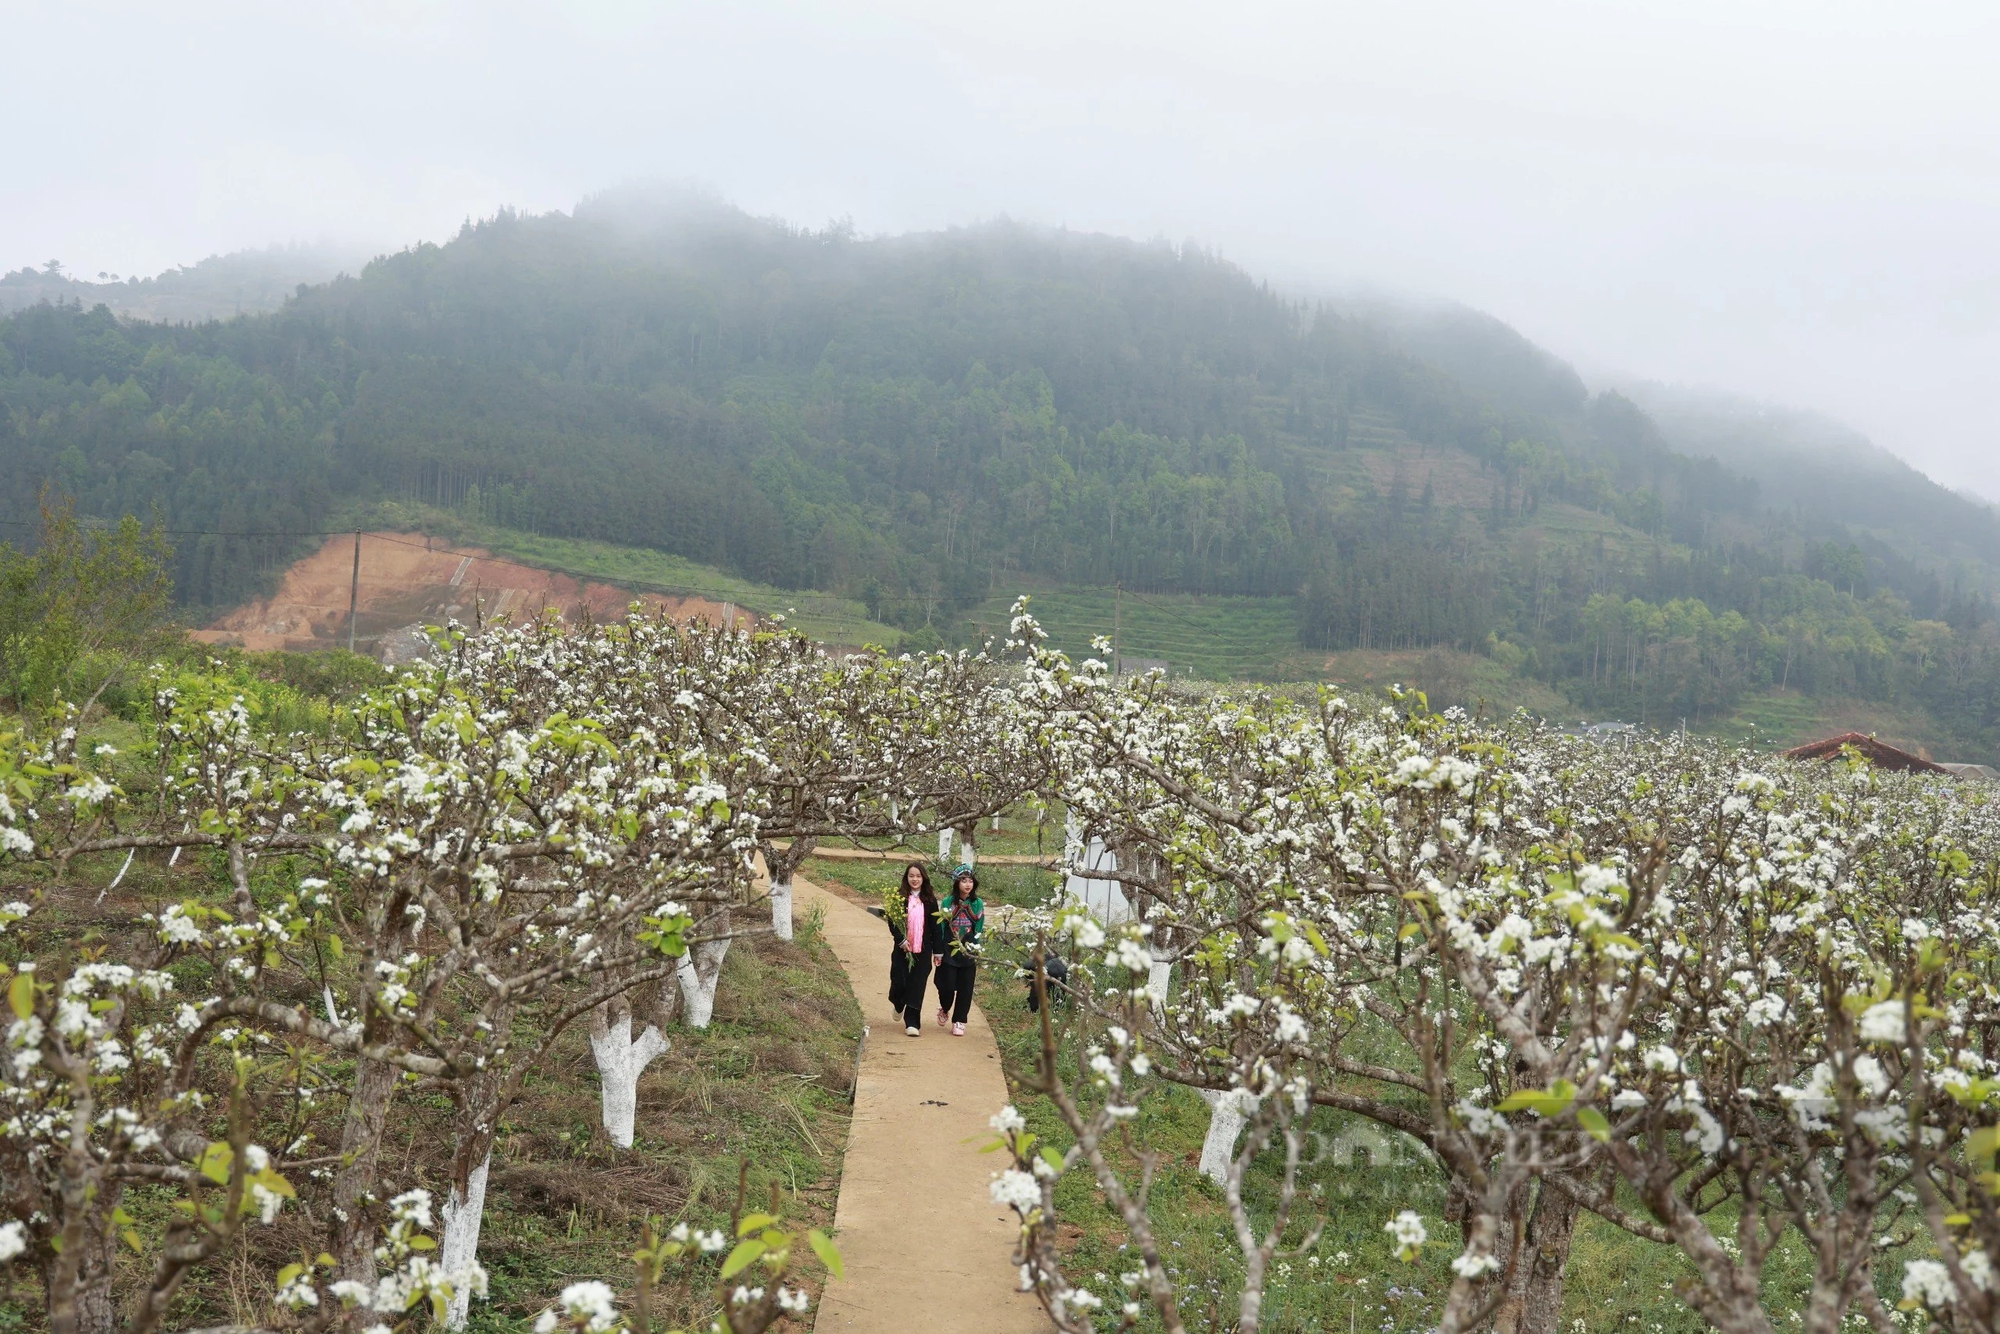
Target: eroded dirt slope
{"x":407,"y":583}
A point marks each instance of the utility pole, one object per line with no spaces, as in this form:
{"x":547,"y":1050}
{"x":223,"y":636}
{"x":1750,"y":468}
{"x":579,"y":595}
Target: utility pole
{"x":1117,"y":615}
{"x":354,"y":591}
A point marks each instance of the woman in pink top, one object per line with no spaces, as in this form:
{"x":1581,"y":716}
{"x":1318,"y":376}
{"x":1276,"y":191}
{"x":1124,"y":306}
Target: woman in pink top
{"x":920,"y":941}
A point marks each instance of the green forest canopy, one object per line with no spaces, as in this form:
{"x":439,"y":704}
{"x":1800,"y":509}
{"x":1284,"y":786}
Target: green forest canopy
{"x":922,"y":421}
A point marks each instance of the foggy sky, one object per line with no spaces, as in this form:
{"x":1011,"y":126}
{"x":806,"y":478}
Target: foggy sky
{"x":1799,"y":202}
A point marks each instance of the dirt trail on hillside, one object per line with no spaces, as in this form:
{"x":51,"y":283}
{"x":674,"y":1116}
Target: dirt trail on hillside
{"x":408,"y":582}
{"x":923,"y":1244}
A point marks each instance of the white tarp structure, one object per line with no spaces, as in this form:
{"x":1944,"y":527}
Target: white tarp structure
{"x":1105,"y":898}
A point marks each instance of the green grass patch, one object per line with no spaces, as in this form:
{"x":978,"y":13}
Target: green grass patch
{"x":767,"y":1083}
{"x":1020,"y":886}
{"x":1772,"y":721}
{"x":1019,"y":833}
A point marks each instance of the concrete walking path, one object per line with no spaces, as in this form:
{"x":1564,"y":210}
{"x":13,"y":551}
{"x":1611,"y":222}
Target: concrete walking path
{"x":923,"y":1244}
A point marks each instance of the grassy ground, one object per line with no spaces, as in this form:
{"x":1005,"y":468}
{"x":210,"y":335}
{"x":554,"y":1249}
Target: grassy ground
{"x":1022,"y":886}
{"x":1773,"y":721}
{"x":1019,"y":834}
{"x":766,"y":1084}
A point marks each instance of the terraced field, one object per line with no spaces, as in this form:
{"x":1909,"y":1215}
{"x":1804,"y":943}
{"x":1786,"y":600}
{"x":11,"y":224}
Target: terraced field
{"x":1214,"y":638}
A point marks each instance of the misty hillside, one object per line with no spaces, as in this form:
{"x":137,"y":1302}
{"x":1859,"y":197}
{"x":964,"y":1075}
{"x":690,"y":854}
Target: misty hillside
{"x":1821,"y":472}
{"x":249,"y":282}
{"x":1811,"y":463}
{"x":928,"y":423}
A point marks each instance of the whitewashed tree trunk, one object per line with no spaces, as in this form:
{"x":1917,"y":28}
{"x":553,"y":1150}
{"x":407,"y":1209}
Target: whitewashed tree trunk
{"x":620,"y":1062}
{"x":1225,"y":1123}
{"x":944,"y":845}
{"x":461,"y":1237}
{"x":781,"y":908}
{"x":1159,"y":978}
{"x":1072,"y":839}
{"x":996,"y":822}
{"x":700,"y":970}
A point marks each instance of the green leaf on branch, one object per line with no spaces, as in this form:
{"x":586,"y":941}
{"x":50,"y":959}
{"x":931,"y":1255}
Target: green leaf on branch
{"x":739,"y":1259}
{"x":1549,"y":1102}
{"x":828,"y":1254}
{"x":215,"y":1162}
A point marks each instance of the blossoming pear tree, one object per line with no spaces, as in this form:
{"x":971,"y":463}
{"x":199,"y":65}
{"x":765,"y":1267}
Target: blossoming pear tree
{"x":1662,"y":969}
{"x":100,"y":1075}
{"x":511,"y":860}
{"x":1230,"y":816}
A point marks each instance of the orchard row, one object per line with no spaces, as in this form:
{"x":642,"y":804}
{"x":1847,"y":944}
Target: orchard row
{"x":1716,"y":1000}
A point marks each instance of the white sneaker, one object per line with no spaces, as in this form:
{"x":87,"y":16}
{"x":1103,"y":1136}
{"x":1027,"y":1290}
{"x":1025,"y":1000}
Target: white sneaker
{"x":912,"y":1031}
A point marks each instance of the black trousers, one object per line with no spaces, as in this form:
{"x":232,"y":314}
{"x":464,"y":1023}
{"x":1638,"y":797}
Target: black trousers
{"x":917,"y":972}
{"x":954,"y":988}
{"x":899,"y":977}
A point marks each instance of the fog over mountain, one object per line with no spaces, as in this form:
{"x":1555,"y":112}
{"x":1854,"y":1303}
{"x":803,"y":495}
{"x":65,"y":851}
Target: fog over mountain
{"x":1784,"y":201}
{"x":247,"y":282}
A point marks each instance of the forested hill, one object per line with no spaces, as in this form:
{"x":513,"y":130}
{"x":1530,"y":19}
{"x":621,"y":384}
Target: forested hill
{"x":926,"y":421}
{"x":931,"y":415}
{"x":249,"y":282}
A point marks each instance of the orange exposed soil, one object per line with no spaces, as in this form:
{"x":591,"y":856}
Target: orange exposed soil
{"x":406,"y":583}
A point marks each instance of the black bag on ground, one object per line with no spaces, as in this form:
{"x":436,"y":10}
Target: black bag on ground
{"x":1057,"y":972}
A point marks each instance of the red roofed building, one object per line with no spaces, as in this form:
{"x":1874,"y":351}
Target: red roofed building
{"x":1878,"y":753}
